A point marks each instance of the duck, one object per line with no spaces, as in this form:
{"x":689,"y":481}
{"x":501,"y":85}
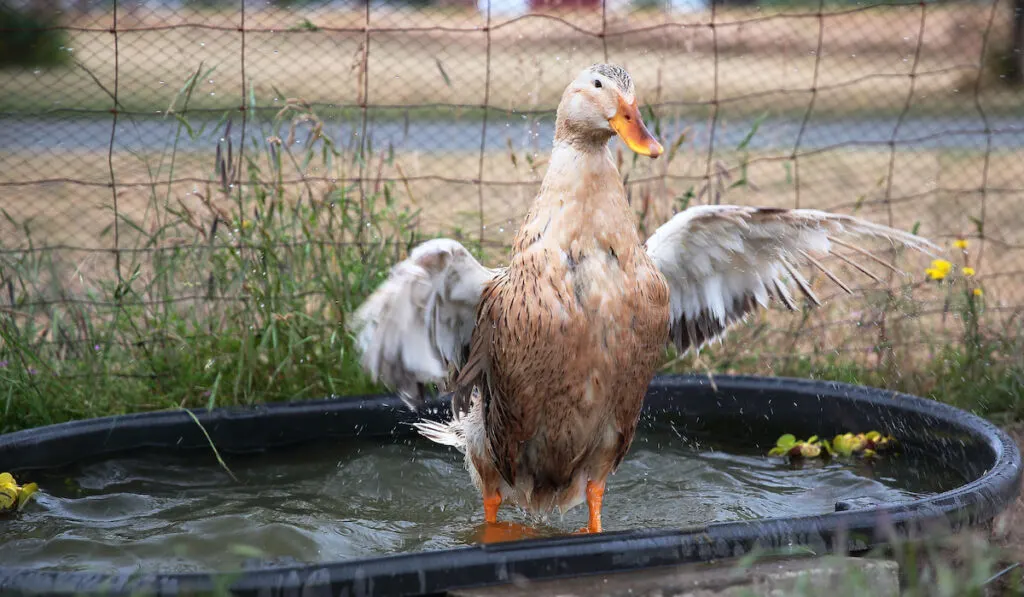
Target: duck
{"x":547,"y":359}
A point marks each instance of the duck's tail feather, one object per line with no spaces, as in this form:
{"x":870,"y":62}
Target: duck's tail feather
{"x":448,"y":433}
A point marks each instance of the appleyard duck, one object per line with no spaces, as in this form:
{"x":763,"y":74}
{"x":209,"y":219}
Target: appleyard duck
{"x":548,"y":359}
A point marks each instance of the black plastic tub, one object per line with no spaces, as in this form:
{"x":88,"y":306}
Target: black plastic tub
{"x":755,"y":409}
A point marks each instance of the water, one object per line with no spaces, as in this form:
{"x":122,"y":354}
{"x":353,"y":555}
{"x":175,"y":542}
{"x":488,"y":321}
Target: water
{"x":152,"y":512}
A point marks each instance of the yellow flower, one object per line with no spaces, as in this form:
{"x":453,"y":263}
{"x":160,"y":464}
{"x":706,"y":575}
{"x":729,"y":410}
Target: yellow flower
{"x":968,"y":271}
{"x":960,"y":244}
{"x":978,"y":292}
{"x":939,"y":269}
{"x":942,"y":265}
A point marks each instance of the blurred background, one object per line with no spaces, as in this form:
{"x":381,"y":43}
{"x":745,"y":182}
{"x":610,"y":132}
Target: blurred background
{"x":195,"y":192}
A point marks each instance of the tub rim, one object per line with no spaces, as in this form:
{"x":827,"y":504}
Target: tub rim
{"x":974,"y":503}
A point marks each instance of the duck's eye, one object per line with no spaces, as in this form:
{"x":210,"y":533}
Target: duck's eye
{"x":597,"y":83}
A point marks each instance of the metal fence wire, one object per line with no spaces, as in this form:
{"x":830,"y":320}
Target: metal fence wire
{"x":134,"y":127}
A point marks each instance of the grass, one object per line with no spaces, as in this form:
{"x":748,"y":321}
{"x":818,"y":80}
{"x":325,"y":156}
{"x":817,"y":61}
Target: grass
{"x":964,"y":565}
{"x":30,"y":40}
{"x":749,"y":65}
{"x":228,"y":293}
{"x":209,"y":305}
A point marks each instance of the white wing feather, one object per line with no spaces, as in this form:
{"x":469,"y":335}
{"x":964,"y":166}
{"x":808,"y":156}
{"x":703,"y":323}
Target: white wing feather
{"x":421,"y":319}
{"x":723,"y":261}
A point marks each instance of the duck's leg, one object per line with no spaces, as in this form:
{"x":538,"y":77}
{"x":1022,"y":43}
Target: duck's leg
{"x":595,"y":495}
{"x":494,"y":531}
{"x":491,"y":503}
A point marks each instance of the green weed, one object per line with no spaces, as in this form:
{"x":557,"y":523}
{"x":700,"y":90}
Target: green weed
{"x":234,"y":294}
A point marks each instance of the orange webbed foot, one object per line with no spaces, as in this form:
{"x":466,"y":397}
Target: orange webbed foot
{"x":493,"y":531}
{"x":497,"y":532}
{"x":595,"y":495}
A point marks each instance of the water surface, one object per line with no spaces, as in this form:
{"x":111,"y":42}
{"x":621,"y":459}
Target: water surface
{"x":171,"y":513}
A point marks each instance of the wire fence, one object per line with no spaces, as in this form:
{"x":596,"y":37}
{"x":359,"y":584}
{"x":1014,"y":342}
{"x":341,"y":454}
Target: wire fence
{"x":132,"y":129}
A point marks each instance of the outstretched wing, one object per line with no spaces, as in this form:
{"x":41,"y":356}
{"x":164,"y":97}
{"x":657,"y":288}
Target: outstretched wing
{"x":723,"y":261}
{"x":421,"y":319}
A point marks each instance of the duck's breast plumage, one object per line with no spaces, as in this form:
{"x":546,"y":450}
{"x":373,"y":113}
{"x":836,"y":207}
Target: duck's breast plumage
{"x":574,"y":329}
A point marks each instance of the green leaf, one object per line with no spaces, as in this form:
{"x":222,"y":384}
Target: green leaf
{"x":212,"y":402}
{"x":753,"y":131}
{"x":682,"y":203}
{"x":786,"y":441}
{"x":8,"y":497}
{"x":184,"y":122}
{"x":209,"y":440}
{"x":304,"y":25}
{"x":675,"y":146}
{"x":26,"y":494}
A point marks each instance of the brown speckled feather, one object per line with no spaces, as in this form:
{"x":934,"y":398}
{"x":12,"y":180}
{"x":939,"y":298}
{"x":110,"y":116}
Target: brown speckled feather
{"x":568,"y":337}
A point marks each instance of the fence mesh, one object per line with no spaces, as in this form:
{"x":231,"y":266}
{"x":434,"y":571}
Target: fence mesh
{"x":133,"y":130}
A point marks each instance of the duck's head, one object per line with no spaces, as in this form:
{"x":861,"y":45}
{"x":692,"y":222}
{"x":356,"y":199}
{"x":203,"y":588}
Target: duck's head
{"x":600,"y":103}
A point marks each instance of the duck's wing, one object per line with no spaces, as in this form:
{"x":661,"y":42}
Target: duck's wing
{"x":722,"y":262}
{"x":420,"y":320}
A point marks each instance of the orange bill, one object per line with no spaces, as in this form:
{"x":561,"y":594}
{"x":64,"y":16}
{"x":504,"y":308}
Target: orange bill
{"x":628,"y":125}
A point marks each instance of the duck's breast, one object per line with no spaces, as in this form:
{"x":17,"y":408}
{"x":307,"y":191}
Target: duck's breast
{"x":580,"y":335}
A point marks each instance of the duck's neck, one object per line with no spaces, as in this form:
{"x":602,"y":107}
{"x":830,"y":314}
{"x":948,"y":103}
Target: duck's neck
{"x":580,"y":197}
{"x":574,"y":168}
{"x":582,"y":137}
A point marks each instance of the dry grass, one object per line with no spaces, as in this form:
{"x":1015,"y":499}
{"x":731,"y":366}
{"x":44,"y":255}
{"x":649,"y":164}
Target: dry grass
{"x":935,"y":191}
{"x":865,"y":59}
